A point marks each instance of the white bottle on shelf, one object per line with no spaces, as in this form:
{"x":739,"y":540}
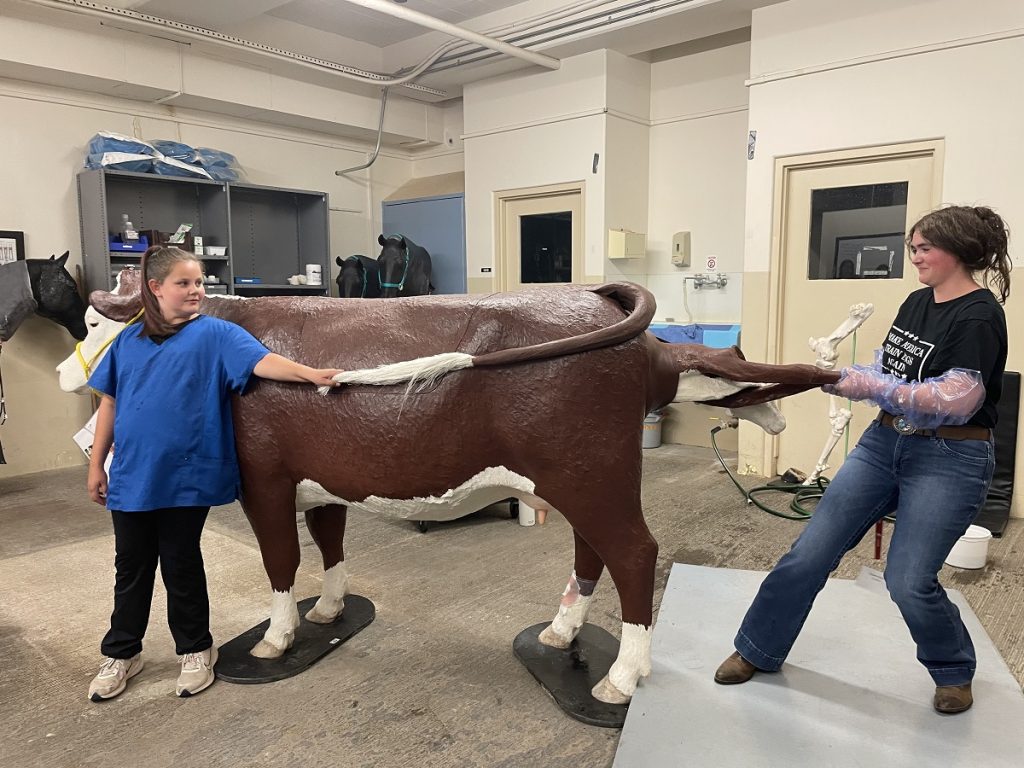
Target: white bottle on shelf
{"x":128,"y":233}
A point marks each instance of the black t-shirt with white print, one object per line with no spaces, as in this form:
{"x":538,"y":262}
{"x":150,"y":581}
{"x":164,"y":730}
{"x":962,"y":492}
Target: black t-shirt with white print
{"x":928,"y":338}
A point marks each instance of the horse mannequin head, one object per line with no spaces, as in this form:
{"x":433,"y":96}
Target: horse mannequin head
{"x":358,"y":278}
{"x":404,"y":267}
{"x":56,"y":294}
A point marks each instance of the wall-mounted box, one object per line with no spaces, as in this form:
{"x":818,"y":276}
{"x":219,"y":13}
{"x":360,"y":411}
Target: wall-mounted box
{"x":623,"y":244}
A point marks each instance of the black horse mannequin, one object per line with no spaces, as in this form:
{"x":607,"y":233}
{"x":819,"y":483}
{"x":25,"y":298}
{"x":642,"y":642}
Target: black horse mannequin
{"x":358,"y":278}
{"x":404,"y":267}
{"x":56,"y":294}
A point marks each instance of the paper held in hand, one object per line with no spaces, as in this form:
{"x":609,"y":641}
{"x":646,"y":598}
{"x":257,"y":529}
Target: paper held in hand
{"x":84,"y":438}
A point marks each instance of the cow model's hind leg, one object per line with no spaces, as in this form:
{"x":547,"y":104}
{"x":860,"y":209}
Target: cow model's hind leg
{"x":270,"y":506}
{"x":576,"y":600}
{"x":608,"y":517}
{"x":326,"y":525}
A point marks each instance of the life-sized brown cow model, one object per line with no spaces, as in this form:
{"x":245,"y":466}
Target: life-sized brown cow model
{"x":551,"y":412}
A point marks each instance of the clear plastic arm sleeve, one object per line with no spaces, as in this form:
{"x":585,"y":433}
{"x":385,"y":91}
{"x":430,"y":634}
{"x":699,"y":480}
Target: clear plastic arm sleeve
{"x":950,"y":399}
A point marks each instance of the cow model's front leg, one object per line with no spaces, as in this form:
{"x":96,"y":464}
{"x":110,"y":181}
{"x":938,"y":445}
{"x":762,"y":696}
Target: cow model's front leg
{"x":326,"y":525}
{"x":576,"y":600}
{"x":269,"y":503}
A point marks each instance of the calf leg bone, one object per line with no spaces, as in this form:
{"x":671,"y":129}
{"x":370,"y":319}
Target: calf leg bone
{"x":838,"y":419}
{"x":572,"y":613}
{"x":284,"y":620}
{"x":826,"y":346}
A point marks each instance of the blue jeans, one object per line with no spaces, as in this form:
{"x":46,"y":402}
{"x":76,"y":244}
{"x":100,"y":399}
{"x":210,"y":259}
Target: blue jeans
{"x":936,"y":488}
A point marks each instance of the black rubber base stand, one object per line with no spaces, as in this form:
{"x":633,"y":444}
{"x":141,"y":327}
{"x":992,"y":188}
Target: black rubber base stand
{"x":312,"y":642}
{"x":569,"y":675}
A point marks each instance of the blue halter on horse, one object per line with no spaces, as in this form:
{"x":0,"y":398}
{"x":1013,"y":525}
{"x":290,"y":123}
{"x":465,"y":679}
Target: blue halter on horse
{"x":359,"y":277}
{"x":404,"y":267}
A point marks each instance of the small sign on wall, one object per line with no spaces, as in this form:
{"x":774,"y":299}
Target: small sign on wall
{"x":711,"y":263}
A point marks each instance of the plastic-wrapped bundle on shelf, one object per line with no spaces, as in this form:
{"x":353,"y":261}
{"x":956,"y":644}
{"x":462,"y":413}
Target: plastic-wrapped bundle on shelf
{"x":121,"y":161}
{"x":221,"y":165}
{"x":107,"y":141}
{"x":176,"y":150}
{"x":168,"y":166}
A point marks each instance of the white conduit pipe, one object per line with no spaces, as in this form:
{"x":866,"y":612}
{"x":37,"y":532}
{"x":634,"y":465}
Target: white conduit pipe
{"x":399,"y":12}
{"x":151,"y":23}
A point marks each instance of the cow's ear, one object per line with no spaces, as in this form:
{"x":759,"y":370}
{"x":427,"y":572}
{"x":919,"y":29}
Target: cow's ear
{"x":380,"y":239}
{"x":61,"y":261}
{"x":338,"y":261}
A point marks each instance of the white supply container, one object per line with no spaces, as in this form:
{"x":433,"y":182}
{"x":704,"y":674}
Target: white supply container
{"x":314,"y":274}
{"x":971,"y":551}
{"x":527,"y":514}
{"x":652,"y":430}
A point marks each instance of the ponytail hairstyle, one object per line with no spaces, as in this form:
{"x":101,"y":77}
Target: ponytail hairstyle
{"x":977,"y":236}
{"x":157,"y":263}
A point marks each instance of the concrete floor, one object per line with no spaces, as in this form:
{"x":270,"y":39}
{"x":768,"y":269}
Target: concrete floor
{"x":432,"y":682}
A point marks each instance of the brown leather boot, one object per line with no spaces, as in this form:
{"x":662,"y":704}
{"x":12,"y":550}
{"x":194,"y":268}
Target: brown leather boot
{"x":734,"y":670}
{"x":951,"y":699}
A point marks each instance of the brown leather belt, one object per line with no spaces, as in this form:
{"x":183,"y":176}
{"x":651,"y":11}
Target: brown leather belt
{"x":965,"y":432}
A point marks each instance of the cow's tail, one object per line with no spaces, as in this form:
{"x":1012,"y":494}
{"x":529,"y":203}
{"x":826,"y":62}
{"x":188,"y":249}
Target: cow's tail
{"x":423,"y":372}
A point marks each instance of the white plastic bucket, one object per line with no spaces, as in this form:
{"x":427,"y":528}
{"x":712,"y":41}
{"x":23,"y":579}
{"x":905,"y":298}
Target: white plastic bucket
{"x":314,"y":274}
{"x":652,"y":430}
{"x":971,"y":551}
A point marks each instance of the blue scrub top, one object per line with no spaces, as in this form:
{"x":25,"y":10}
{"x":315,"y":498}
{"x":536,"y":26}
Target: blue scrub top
{"x":174,"y":441}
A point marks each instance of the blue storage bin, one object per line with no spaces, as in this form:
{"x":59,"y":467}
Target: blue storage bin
{"x":717,"y":335}
{"x":721,"y":336}
{"x":140,"y":247}
{"x":677,"y":334}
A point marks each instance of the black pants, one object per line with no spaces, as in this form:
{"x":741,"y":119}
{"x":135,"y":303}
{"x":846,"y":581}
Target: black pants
{"x":141,"y":539}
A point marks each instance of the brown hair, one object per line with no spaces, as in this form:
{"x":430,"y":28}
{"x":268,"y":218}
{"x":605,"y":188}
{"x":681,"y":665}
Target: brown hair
{"x":157,"y":263}
{"x":977,"y":236}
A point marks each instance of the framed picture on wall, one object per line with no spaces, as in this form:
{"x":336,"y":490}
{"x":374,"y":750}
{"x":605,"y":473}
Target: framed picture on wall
{"x":869,"y":256}
{"x":12,"y":246}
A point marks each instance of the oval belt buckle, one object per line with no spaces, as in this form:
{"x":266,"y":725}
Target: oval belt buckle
{"x":901,"y":425}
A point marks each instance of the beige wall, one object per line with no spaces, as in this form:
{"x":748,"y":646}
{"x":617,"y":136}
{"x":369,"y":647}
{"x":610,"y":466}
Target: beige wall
{"x":45,"y":131}
{"x":826,"y":76}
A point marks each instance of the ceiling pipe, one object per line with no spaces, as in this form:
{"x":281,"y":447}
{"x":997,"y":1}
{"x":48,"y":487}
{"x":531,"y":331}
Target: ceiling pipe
{"x":152,"y":24}
{"x":389,"y":8}
{"x":380,"y":133}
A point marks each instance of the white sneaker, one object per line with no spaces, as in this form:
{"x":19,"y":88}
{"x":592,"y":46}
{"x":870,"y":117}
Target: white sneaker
{"x":196,"y":672}
{"x":113,"y":676}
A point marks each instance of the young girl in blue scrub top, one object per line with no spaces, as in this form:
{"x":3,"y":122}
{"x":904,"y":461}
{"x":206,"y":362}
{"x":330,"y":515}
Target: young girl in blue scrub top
{"x":166,"y":404}
{"x":928,"y":457}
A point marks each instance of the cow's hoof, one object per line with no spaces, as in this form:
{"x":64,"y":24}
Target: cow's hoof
{"x":317,"y":617}
{"x":608,"y":693}
{"x":266,"y":650}
{"x":552,"y":638}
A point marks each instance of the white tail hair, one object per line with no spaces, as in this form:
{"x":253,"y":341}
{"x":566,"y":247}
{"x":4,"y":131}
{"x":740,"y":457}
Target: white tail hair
{"x":421,"y":373}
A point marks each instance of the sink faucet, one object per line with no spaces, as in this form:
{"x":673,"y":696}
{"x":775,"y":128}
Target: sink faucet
{"x":713,"y":280}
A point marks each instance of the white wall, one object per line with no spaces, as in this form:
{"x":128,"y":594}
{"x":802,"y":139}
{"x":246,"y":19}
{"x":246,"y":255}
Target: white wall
{"x":918,"y":74}
{"x":532,"y":130}
{"x":44,"y":133}
{"x":697,"y":178}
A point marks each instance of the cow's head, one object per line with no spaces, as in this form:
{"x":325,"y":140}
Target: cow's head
{"x":73,"y":373}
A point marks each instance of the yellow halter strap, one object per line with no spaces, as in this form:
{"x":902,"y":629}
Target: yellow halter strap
{"x":88,"y":364}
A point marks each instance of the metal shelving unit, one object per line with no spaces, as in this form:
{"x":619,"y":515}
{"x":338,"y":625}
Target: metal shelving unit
{"x":270,"y":232}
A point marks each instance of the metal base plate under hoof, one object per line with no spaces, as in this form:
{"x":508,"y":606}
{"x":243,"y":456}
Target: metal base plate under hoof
{"x":569,"y":674}
{"x":312,"y":642}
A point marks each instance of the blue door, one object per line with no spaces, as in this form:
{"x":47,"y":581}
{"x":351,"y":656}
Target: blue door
{"x":438,"y":224}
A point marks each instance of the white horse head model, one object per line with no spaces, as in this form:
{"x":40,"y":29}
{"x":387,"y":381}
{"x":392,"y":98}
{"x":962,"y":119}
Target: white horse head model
{"x":74,"y":372}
